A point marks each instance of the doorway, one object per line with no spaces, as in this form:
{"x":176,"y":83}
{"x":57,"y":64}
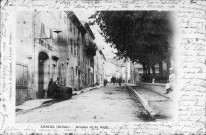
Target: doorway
{"x":43,"y":57}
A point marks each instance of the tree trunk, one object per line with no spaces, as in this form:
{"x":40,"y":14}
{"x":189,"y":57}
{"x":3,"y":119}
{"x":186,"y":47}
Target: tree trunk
{"x":144,"y":70}
{"x":160,"y":69}
{"x":148,"y":73}
{"x":168,"y":67}
{"x":153,"y":71}
{"x":148,"y":69}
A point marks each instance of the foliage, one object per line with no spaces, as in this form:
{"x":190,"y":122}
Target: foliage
{"x":113,"y":80}
{"x":105,"y":82}
{"x":119,"y":80}
{"x":91,"y":50}
{"x":141,"y":36}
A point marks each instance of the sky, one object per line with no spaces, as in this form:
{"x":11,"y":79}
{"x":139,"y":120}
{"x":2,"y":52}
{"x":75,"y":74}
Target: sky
{"x":84,"y":15}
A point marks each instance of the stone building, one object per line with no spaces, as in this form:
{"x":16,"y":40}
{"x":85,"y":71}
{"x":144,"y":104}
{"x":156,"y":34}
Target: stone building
{"x":50,"y":45}
{"x":88,"y":56}
{"x":99,"y":67}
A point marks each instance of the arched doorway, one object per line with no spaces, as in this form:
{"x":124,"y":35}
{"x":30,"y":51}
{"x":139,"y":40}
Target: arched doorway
{"x":42,"y":63}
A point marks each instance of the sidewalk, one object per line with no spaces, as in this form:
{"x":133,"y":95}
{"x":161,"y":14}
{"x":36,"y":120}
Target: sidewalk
{"x":38,"y":103}
{"x":158,"y":106}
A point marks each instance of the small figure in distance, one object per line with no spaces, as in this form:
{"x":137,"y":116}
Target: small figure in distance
{"x":171,"y":81}
{"x":51,"y":88}
{"x":120,"y":81}
{"x":153,"y":80}
{"x":168,"y":88}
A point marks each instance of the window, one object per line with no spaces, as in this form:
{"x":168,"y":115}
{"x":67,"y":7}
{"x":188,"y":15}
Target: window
{"x":78,"y":49}
{"x":53,"y":70}
{"x":42,"y":29}
{"x":70,"y":26}
{"x":76,"y":71}
{"x":62,"y":73}
{"x":74,"y":29}
{"x":71,"y":43}
{"x":72,"y":76}
{"x":51,"y":35}
{"x":75,"y":49}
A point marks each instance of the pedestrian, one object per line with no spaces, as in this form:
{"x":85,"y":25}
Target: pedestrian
{"x":50,"y":88}
{"x":105,"y":82}
{"x":140,"y":78}
{"x":168,"y":88}
{"x":120,"y":81}
{"x":171,"y":82}
{"x":57,"y":83}
{"x":57,"y":92}
{"x":153,"y":80}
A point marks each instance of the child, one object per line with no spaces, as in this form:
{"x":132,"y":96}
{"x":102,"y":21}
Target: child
{"x":153,"y":80}
{"x":171,"y":82}
{"x":168,"y":88}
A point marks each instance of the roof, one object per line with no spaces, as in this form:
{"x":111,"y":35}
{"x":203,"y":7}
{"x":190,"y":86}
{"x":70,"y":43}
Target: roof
{"x":76,"y":22}
{"x":89,"y":31}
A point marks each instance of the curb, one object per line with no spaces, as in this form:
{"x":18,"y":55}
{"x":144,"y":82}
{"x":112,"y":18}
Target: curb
{"x":143,"y":101}
{"x":158,"y":93}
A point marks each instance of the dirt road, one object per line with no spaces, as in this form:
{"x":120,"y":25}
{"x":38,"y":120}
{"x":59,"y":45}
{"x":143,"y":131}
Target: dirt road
{"x":106,"y":104}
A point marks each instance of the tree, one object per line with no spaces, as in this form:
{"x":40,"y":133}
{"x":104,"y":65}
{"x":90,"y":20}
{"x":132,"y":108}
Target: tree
{"x":119,"y":80}
{"x":91,"y":49}
{"x":141,"y":36}
{"x":105,"y":82}
{"x":113,"y":80}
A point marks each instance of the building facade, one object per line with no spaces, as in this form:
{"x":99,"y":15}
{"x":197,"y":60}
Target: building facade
{"x":99,"y":67}
{"x":51,"y":45}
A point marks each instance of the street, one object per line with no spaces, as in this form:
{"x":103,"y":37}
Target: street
{"x":105,"y":104}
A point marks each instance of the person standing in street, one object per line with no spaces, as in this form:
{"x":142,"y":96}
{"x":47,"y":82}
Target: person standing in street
{"x":51,"y":88}
{"x":153,"y":80}
{"x":120,"y":81}
{"x":57,"y":83}
{"x":171,"y":81}
{"x":57,"y":91}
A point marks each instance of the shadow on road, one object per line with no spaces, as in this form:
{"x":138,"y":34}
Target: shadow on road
{"x":148,"y":118}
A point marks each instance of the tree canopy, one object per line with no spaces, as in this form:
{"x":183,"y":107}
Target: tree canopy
{"x":113,"y":80}
{"x":141,"y":36}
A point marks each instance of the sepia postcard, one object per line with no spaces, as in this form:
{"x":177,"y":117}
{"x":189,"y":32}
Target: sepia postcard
{"x":107,"y":67}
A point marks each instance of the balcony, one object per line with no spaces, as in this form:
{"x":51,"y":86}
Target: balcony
{"x":91,"y":49}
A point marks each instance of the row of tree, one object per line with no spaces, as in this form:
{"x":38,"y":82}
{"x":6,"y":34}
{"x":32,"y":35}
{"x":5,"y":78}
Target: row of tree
{"x":116,"y":80}
{"x":141,"y":36}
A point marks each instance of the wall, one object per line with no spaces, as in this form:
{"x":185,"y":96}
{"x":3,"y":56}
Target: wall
{"x":99,"y":70}
{"x":37,"y":37}
{"x":45,"y":43}
{"x":158,"y":88}
{"x":24,"y":56}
